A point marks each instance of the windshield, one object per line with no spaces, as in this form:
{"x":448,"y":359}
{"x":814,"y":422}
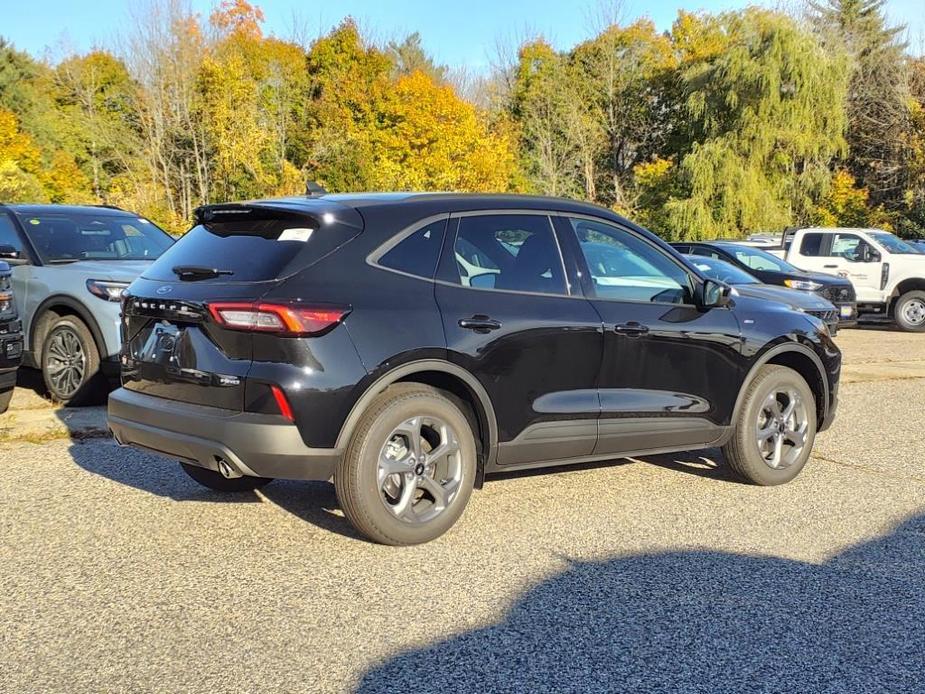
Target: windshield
{"x":894,"y":244}
{"x":69,"y":237}
{"x":722,"y":271}
{"x":757,"y":259}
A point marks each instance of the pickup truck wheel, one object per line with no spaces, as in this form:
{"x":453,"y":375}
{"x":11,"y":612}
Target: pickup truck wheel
{"x":775,"y":428}
{"x":220,"y":483}
{"x":71,"y":363}
{"x":5,"y":398}
{"x":409,"y":468}
{"x":909,"y":311}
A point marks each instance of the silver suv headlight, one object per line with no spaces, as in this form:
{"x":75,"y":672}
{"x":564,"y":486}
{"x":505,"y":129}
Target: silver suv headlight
{"x":106,"y":290}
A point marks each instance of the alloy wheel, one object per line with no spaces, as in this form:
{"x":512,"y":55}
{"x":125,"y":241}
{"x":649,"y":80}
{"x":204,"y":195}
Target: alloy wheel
{"x":783,"y":422}
{"x":419,"y":470}
{"x":65,"y":362}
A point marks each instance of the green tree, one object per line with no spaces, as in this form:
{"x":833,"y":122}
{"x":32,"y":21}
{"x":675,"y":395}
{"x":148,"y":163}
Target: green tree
{"x":766,"y":119}
{"x":878,"y":93}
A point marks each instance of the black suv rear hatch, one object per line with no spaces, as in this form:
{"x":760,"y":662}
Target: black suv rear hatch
{"x":173,"y":346}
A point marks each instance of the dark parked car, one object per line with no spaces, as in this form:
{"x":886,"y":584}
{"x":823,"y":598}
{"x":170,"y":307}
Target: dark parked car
{"x":10,"y":338}
{"x":409,"y":344}
{"x":749,"y":285}
{"x":773,"y":270}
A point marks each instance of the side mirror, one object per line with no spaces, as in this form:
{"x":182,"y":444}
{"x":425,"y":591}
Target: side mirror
{"x":869,"y":255}
{"x":8,"y":252}
{"x":715,"y":294}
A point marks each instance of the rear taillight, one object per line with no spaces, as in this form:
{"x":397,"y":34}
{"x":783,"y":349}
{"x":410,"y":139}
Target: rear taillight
{"x":285,"y":319}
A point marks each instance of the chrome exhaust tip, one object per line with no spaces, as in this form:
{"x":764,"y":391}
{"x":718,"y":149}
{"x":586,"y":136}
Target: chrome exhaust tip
{"x":227,"y":469}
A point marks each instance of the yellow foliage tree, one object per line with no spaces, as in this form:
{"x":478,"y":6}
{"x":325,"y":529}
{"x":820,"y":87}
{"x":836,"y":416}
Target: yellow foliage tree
{"x":430,"y":139}
{"x":845,"y":204}
{"x":20,"y":162}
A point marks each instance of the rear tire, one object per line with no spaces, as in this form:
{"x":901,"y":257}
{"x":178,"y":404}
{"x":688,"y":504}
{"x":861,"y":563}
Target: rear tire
{"x":909,"y":311}
{"x":753,"y":453}
{"x":218,"y":482}
{"x":410,"y":467}
{"x":71,"y":363}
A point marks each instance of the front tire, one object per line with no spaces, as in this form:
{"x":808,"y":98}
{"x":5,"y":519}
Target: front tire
{"x":219,"y":483}
{"x":909,"y":311}
{"x":410,"y":467}
{"x":71,"y":363}
{"x":775,"y":429}
{"x":5,"y":398}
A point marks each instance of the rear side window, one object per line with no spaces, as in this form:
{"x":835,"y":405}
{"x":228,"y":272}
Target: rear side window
{"x":515,"y":252}
{"x":811,"y":245}
{"x":255,"y":244}
{"x":417,"y":254}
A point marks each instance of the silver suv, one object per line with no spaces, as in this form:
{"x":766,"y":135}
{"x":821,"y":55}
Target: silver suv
{"x":70,"y":265}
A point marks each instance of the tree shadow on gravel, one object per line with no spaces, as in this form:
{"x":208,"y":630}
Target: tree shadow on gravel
{"x":697,"y":621}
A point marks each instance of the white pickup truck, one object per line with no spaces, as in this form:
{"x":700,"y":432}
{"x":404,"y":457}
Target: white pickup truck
{"x":888,"y":273}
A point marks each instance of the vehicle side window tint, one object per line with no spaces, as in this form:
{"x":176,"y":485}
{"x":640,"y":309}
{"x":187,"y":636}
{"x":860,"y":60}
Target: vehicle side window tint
{"x":811,"y":245}
{"x":755,"y":262}
{"x":626,"y":268}
{"x":8,"y":235}
{"x":418,"y":253}
{"x":512,"y":252}
{"x":683,"y":250}
{"x":846,"y":246}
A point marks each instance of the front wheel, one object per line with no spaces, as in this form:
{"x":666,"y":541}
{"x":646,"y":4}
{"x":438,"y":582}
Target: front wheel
{"x":71,"y":363}
{"x":5,"y":398}
{"x":909,"y":311}
{"x":775,"y":428}
{"x":409,"y":468}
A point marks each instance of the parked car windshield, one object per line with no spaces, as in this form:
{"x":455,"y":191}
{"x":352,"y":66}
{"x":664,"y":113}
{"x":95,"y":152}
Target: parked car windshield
{"x":722,"y":271}
{"x":68,"y":237}
{"x":894,"y":244}
{"x":757,"y":259}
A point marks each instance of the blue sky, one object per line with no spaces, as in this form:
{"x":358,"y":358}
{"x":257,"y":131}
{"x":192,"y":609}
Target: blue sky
{"x":458,"y":33}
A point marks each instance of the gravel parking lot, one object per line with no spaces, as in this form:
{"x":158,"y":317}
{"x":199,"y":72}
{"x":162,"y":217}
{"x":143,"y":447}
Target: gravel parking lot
{"x":118,"y":573}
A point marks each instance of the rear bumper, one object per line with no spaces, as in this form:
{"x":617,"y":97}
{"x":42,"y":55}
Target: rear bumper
{"x":255,"y":444}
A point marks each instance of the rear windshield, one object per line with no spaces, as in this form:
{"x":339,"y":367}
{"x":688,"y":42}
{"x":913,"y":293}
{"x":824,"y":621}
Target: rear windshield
{"x":67,"y":237}
{"x":256,"y":244}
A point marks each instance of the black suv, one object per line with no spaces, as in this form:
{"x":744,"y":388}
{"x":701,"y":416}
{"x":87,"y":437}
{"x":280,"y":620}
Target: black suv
{"x":409,"y":344}
{"x":773,"y":270}
{"x":10,"y":338}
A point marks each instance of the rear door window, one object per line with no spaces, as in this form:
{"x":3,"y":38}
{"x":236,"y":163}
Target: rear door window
{"x":255,"y":244}
{"x":811,"y":245}
{"x":514,"y":252}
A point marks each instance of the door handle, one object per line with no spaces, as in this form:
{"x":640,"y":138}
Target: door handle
{"x":479,"y":323}
{"x":830,"y":266}
{"x":631,"y":328}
